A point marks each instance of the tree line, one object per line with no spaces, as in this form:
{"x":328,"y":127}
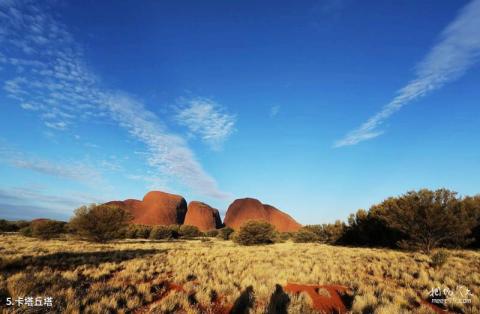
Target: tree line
{"x":417,"y":220}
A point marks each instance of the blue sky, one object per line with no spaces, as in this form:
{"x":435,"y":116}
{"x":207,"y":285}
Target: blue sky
{"x":316,"y":107}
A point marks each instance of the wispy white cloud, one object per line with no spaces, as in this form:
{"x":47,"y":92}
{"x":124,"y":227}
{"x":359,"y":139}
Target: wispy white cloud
{"x":45,"y":70}
{"x":274,"y":110}
{"x":37,"y":202}
{"x":207,"y":119}
{"x":167,"y":153}
{"x":457,"y":50}
{"x":153,"y":182}
{"x":75,"y":171}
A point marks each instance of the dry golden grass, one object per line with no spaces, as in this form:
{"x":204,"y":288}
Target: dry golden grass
{"x":130,"y":276}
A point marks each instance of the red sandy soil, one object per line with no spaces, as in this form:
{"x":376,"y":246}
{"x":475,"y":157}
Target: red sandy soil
{"x":156,"y":208}
{"x":216,"y":306}
{"x":202,"y":216}
{"x":325,"y":298}
{"x":245,"y":209}
{"x":169,"y":287}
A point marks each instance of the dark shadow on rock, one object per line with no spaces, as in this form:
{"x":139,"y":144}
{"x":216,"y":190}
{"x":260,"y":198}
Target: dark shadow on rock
{"x":279,"y":302}
{"x":72,"y":260}
{"x":244,"y":302}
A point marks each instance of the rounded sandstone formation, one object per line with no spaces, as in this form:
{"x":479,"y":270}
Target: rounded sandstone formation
{"x":245,"y":209}
{"x":282,"y":221}
{"x":156,"y":208}
{"x":202,"y":216}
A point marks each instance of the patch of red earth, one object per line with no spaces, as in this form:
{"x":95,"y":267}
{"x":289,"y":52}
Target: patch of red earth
{"x":325,"y":298}
{"x":157,"y":298}
{"x":216,"y":306}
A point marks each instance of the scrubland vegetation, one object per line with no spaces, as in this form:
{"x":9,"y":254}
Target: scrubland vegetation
{"x":208,"y":275}
{"x":385,"y":260}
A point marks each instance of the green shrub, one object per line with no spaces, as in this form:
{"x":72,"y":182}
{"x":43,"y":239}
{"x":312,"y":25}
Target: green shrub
{"x":130,"y":232}
{"x":47,"y":229}
{"x":26,"y":231}
{"x":326,"y":233}
{"x":100,"y":223}
{"x":225,"y":233}
{"x":135,"y":231}
{"x":255,"y":232}
{"x":212,"y":233}
{"x":284,"y":236}
{"x":430,"y":219}
{"x":187,"y":231}
{"x":7,"y":226}
{"x":19,"y":224}
{"x":304,"y":235}
{"x":143,"y":231}
{"x":439,"y":258}
{"x":162,"y":232}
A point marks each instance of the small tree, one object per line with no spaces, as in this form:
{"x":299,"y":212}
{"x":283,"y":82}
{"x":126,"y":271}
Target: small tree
{"x":26,"y":231}
{"x":7,"y":226}
{"x":142,"y":231}
{"x":225,"y":233}
{"x":364,"y":228}
{"x":47,"y":229}
{"x":304,"y":235}
{"x":187,"y":231}
{"x":255,"y":232}
{"x":429,"y":218}
{"x":100,"y":223}
{"x":331,"y":233}
{"x":472,"y":206}
{"x":284,"y":236}
{"x":212,"y":233}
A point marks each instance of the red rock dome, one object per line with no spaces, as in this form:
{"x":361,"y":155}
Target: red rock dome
{"x":245,"y":209}
{"x":156,"y":208}
{"x":202,"y":216}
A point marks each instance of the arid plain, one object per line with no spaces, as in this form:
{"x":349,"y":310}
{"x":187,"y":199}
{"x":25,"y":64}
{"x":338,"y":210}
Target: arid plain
{"x":207,"y":275}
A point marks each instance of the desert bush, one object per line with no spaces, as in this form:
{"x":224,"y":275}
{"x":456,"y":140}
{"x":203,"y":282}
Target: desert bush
{"x":19,"y":224}
{"x":100,"y":223}
{"x":331,"y":233}
{"x":430,"y":219}
{"x":130,"y":232}
{"x":284,"y":236}
{"x":7,"y":226}
{"x":472,"y":206}
{"x":47,"y":229}
{"x":304,"y":235}
{"x":139,"y":231}
{"x":364,"y":228}
{"x":187,"y":231}
{"x":212,"y":233}
{"x":255,"y":232}
{"x":162,"y":232}
{"x":225,"y":233}
{"x":325,"y":233}
{"x":26,"y":231}
{"x":175,"y":230}
{"x":439,"y":258}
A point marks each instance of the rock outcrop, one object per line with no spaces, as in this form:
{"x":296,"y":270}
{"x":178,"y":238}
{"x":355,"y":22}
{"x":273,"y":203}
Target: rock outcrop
{"x":245,"y":209}
{"x":202,"y":216}
{"x":156,"y":208}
